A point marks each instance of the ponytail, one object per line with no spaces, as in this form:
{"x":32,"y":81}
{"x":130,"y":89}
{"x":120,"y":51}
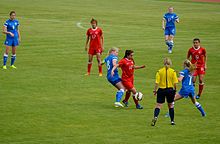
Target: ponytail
{"x":189,"y":65}
{"x":167,"y":63}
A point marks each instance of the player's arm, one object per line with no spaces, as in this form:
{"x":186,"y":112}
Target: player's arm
{"x":163,"y":23}
{"x":205,"y":59}
{"x":139,"y":67}
{"x":87,"y":42}
{"x":180,"y":78}
{"x":115,"y":65}
{"x":188,"y":55}
{"x":4,"y":31}
{"x":102,"y":42}
{"x":155,"y":89}
{"x":19,"y":34}
{"x":177,"y":20}
{"x":156,"y":83}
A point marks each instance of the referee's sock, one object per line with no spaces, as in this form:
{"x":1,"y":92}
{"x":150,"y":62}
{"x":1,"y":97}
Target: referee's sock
{"x":156,"y":112}
{"x":171,"y":111}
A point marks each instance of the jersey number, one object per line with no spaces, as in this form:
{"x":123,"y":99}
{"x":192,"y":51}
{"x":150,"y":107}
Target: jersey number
{"x":108,"y":65}
{"x":190,"y":80}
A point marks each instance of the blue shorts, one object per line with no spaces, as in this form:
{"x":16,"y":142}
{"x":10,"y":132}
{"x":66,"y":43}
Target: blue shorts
{"x":185,"y":93}
{"x":12,"y":42}
{"x":170,"y":31}
{"x":114,"y":80}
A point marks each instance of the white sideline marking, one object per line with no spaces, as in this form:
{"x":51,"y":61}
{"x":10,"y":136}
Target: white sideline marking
{"x":78,"y":24}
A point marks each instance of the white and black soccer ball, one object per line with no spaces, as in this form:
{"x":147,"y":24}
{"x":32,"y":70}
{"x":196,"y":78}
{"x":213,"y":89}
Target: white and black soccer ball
{"x":139,"y":96}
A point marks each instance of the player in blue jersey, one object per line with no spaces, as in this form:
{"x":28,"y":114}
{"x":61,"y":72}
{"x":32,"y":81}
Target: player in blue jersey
{"x":188,"y":89}
{"x":13,"y":37}
{"x":113,"y":76}
{"x":170,"y":19}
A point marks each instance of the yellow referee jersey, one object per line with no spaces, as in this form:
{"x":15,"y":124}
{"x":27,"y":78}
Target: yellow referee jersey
{"x":166,"y":78}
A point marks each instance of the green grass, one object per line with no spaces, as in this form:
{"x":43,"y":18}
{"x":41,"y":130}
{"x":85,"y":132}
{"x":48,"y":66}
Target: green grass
{"x":49,"y":100}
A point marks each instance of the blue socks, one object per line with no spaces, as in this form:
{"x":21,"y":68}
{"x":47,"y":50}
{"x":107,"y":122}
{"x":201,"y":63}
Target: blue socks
{"x":119,"y":95}
{"x":5,"y":58}
{"x":170,"y":44}
{"x":156,"y":112}
{"x":199,"y":107}
{"x":13,"y":58}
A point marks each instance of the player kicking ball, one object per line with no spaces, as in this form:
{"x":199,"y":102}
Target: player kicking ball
{"x":113,"y":76}
{"x":128,"y":66}
{"x":95,"y":40}
{"x":170,"y":19}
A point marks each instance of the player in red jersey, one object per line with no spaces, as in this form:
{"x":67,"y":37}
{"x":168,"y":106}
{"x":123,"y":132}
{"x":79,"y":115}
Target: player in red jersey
{"x":199,"y":59}
{"x":96,"y":39}
{"x":127,"y":65}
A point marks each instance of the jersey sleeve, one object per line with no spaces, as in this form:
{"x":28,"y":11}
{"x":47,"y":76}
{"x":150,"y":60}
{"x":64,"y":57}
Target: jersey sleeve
{"x":175,"y":79}
{"x":6,"y":24}
{"x":121,"y":63}
{"x":204,"y":51}
{"x":101,"y":32}
{"x":188,"y":54}
{"x":176,"y":17}
{"x":164,"y":16}
{"x":157,"y":77}
{"x":87,"y":33}
{"x":182,"y":73}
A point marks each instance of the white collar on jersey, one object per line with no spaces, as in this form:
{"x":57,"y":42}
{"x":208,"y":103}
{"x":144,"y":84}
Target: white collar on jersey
{"x":95,"y":28}
{"x":197,"y":48}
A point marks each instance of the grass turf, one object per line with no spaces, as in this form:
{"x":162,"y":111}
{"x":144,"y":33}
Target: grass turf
{"x":49,"y":100}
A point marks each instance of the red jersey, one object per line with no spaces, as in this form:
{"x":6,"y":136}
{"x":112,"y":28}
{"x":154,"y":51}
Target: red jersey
{"x":127,"y":67}
{"x":197,"y":56}
{"x":95,"y":38}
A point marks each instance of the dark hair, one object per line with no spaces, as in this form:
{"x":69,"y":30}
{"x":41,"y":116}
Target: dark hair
{"x":196,"y":39}
{"x":128,"y":52}
{"x":12,"y":12}
{"x":94,"y":20}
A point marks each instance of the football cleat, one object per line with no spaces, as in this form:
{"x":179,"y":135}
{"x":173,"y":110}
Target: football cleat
{"x":4,"y":67}
{"x":100,"y":74}
{"x":13,"y":66}
{"x":138,"y":106}
{"x":173,"y":123}
{"x":154,"y":120}
{"x":87,"y":74}
{"x":198,"y":96}
{"x":118,"y":104}
{"x":125,"y":103}
{"x":169,"y":51}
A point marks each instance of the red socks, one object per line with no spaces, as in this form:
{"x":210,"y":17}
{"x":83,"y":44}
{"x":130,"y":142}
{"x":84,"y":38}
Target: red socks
{"x":127,"y":96}
{"x":200,"y":88}
{"x":100,"y":69}
{"x":89,"y":68}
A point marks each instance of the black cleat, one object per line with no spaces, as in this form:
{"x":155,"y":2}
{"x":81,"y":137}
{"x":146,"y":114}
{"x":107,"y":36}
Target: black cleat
{"x":173,"y":123}
{"x":154,"y":120}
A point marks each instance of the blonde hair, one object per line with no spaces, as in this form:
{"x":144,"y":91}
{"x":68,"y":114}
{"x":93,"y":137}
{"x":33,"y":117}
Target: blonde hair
{"x":189,"y":65}
{"x":167,"y":62}
{"x":112,"y":49}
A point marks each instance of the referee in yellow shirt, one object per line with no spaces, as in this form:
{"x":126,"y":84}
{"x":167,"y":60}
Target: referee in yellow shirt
{"x":165,"y":88}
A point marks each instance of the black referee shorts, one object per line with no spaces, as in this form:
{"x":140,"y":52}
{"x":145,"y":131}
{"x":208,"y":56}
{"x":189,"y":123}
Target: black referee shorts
{"x":168,"y":93}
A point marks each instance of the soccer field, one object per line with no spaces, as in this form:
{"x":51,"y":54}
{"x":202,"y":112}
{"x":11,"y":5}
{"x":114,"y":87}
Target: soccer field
{"x":48,"y":99}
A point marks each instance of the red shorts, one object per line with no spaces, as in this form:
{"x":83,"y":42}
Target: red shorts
{"x":128,"y":84}
{"x":94,"y":51}
{"x":199,"y":71}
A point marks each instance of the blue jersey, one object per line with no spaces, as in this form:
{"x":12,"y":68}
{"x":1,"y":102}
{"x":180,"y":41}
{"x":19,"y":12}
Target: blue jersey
{"x":12,"y":26}
{"x":170,"y":19}
{"x":109,"y":66}
{"x":187,"y":82}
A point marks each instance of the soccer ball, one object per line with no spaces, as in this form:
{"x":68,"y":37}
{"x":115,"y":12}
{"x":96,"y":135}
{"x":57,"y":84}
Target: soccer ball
{"x":138,"y":96}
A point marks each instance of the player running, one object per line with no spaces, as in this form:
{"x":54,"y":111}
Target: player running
{"x":96,"y":39}
{"x":127,"y":65}
{"x":13,"y":38}
{"x":113,"y":76}
{"x":170,"y":29}
{"x":198,"y":57}
{"x":187,"y":85}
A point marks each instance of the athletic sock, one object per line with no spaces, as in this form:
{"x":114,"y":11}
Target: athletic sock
{"x":13,"y":58}
{"x":119,"y":95}
{"x":171,"y":112}
{"x":171,"y":44}
{"x":199,"y":107}
{"x":89,"y":67}
{"x":201,"y":88}
{"x":5,"y":58}
{"x":135,"y":101}
{"x":156,"y":112}
{"x":127,"y":96}
{"x":100,"y":69}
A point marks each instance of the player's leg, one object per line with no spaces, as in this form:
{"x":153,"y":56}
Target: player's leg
{"x":119,"y":93}
{"x":5,"y":57}
{"x":98,"y":56}
{"x":13,"y":57}
{"x":171,"y":43}
{"x":201,"y":85}
{"x":134,"y":92}
{"x":170,"y":100}
{"x":127,"y":96}
{"x":90,"y":57}
{"x":160,"y":101}
{"x":198,"y":105}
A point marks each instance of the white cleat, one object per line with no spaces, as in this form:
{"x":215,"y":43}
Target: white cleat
{"x":118,"y":104}
{"x":169,"y":51}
